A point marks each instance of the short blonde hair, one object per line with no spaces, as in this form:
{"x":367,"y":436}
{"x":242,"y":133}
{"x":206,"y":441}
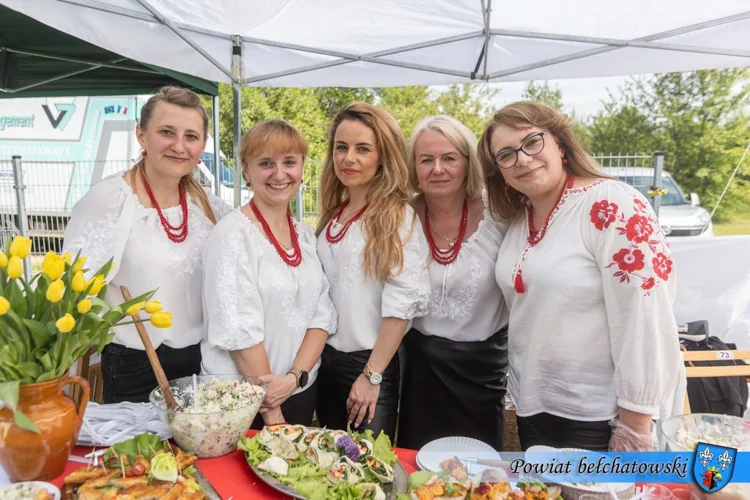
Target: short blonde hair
{"x":462,"y":139}
{"x":272,"y":137}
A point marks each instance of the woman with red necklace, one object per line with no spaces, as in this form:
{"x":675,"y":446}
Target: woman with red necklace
{"x":459,"y":350}
{"x":375,"y":257}
{"x":268,"y":312}
{"x":589,"y":281}
{"x":153,"y":220}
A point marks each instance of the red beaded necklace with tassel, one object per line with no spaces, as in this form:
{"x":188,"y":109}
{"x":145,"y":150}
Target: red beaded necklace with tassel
{"x":536,"y":235}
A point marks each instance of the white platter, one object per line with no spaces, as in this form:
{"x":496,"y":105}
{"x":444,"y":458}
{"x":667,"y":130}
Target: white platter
{"x":434,"y":452}
{"x":7,"y":491}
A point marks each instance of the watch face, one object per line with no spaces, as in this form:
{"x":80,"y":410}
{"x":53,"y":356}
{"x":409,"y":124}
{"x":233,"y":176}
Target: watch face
{"x":376,"y":378}
{"x":303,"y":376}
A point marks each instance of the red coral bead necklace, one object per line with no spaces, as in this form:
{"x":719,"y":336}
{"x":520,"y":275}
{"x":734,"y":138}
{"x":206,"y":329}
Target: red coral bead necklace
{"x":450,"y":254}
{"x":335,"y":238}
{"x":295,"y":258}
{"x":174,"y":233}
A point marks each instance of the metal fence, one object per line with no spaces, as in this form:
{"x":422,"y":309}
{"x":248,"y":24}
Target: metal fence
{"x":51,"y":189}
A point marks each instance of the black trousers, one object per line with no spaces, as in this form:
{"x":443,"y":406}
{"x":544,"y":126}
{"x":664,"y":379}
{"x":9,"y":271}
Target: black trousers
{"x":453,"y":389}
{"x":338,"y":371}
{"x":558,"y":432}
{"x":297,"y":410}
{"x":128,"y":376}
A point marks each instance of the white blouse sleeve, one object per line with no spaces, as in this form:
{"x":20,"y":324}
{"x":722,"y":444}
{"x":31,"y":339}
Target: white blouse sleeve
{"x":232,"y":307}
{"x":219,"y":206}
{"x":100,"y":224}
{"x":325,"y":316}
{"x":639,"y":289}
{"x":406,"y":295}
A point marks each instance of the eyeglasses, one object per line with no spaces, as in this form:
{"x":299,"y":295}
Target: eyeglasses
{"x":533,"y":145}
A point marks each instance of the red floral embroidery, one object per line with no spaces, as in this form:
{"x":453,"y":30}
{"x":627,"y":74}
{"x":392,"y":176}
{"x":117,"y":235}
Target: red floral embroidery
{"x":603,"y":213}
{"x":639,"y":229}
{"x":640,"y":205}
{"x":648,"y":284}
{"x":629,"y":261}
{"x":662,"y":266}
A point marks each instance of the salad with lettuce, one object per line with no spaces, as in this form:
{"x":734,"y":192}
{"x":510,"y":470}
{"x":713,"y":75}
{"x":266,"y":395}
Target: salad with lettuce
{"x":322,"y":464}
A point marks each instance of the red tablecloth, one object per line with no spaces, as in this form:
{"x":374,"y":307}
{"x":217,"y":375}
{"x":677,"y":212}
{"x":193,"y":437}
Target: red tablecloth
{"x":232,"y":477}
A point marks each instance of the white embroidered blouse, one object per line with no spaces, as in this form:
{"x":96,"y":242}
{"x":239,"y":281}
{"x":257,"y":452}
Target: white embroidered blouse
{"x":363,"y":302}
{"x":110,"y":222}
{"x":466,"y":304}
{"x":594,"y":328}
{"x":251,"y":296}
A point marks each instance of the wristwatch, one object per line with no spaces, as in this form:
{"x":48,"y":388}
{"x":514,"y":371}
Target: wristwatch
{"x":375,"y":378}
{"x":302,"y":376}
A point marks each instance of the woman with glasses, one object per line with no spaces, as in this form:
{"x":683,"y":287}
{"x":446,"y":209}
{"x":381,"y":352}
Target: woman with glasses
{"x":458,"y":352}
{"x":375,"y":256}
{"x":589,"y":281}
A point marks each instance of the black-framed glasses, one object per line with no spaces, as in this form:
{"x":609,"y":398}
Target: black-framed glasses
{"x":533,"y":145}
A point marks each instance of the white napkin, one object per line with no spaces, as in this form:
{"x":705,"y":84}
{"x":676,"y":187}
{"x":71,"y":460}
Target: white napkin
{"x":105,"y":425}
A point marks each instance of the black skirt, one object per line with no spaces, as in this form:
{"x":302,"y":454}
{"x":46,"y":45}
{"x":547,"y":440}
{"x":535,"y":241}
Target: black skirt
{"x":453,"y":389}
{"x":338,"y":371}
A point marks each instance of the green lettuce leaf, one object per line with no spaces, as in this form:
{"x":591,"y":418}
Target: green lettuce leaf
{"x":145,"y":444}
{"x":312,"y":489}
{"x":382,"y":449}
{"x":254,"y":452}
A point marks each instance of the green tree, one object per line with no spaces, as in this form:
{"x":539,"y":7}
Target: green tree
{"x":699,"y":119}
{"x":544,"y":93}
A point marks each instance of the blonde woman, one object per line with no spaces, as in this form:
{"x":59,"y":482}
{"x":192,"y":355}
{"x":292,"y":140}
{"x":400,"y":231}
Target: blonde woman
{"x":459,"y":350}
{"x":589,"y":281}
{"x":375,"y":256}
{"x":268,"y":312}
{"x":153,"y":220}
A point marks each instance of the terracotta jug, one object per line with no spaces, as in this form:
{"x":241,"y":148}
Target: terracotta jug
{"x":27,"y":456}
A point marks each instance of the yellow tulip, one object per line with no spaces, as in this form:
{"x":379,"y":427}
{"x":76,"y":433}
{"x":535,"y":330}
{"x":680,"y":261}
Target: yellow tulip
{"x":4,"y":306}
{"x":78,"y":264}
{"x":134,"y":309}
{"x":153,"y":307}
{"x":84,"y":306}
{"x":162,"y":320}
{"x":79,"y":282}
{"x":53,"y":266}
{"x":67,"y":258}
{"x":20,"y":247}
{"x":15,"y":267}
{"x":65,"y":324}
{"x":55,"y":291}
{"x":3,"y":260}
{"x":98,"y":284}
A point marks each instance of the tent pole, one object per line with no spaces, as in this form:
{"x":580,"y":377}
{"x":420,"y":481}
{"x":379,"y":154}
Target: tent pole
{"x":237,"y":116}
{"x":217,"y":149}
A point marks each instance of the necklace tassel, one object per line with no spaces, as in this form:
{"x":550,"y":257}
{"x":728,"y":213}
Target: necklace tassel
{"x":518,"y":283}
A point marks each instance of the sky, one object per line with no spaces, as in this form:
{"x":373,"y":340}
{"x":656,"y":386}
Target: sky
{"x":583,"y":95}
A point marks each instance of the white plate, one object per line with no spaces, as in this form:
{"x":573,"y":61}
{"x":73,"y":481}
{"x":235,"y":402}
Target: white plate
{"x":7,"y":491}
{"x":431,"y":454}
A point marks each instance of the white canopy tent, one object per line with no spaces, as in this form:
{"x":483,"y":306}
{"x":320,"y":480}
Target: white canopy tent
{"x":364,"y":43}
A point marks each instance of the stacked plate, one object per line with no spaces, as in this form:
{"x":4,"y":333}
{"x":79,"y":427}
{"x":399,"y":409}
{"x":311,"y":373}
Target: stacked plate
{"x":434,"y":452}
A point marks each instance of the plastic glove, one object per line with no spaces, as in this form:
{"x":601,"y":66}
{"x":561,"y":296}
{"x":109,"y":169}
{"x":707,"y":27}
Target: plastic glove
{"x":626,"y":439}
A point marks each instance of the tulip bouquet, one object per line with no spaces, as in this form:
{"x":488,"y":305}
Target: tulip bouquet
{"x":49,"y":322}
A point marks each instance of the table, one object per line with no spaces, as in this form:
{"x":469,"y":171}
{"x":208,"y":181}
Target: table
{"x":232,"y":477}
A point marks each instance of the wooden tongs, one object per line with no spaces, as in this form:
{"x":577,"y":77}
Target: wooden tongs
{"x":161,"y":378}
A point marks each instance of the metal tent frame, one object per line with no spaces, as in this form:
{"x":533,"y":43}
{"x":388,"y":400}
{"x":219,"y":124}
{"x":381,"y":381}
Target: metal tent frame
{"x":476,"y":71}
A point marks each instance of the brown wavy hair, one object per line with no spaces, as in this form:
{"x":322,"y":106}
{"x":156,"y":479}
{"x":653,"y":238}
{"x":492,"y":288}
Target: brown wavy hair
{"x":186,"y":99}
{"x":523,"y":114}
{"x":389,"y":191}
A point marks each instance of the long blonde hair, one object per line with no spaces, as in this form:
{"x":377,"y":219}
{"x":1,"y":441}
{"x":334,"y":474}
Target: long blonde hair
{"x":522,"y":114}
{"x":186,"y":99}
{"x":388,"y":194}
{"x":462,"y":139}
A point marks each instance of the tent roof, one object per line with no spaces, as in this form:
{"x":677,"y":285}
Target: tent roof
{"x":415,"y":42}
{"x":35,"y":59}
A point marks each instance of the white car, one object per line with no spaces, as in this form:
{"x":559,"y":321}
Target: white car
{"x":678,"y":215}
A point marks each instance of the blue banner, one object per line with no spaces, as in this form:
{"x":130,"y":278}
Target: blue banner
{"x":611,"y":467}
